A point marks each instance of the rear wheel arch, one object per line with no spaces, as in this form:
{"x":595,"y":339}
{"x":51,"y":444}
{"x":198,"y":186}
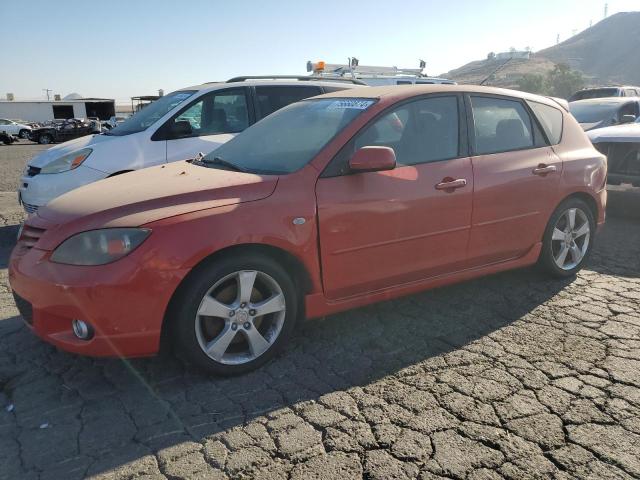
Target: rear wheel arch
{"x":294,"y":266}
{"x":586,"y":198}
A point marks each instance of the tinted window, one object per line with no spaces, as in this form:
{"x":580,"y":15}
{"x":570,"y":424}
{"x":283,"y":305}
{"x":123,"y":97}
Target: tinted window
{"x":216,"y":113}
{"x":500,"y":125}
{"x":551,"y":120}
{"x":288,"y":139}
{"x":421,"y":131}
{"x":595,"y":93}
{"x":271,"y":99}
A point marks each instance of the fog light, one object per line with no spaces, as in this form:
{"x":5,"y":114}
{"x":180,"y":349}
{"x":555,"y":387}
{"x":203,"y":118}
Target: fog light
{"x":81,"y":329}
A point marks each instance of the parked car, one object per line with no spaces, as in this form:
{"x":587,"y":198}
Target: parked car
{"x":328,"y":204}
{"x":621,"y":145}
{"x":602,"y":92}
{"x":6,"y":138}
{"x":604,"y":112}
{"x":175,"y":127}
{"x":63,"y":131}
{"x":14,"y":128}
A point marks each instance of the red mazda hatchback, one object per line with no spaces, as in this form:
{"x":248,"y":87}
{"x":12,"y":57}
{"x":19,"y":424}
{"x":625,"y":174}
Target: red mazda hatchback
{"x":331,"y":203}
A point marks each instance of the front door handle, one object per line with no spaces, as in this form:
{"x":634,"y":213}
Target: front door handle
{"x":543,"y":169}
{"x":449,"y":184}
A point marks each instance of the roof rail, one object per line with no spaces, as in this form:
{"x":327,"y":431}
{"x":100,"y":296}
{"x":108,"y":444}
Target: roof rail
{"x":294,"y":77}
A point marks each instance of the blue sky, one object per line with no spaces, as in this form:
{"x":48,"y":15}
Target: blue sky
{"x":116,"y":49}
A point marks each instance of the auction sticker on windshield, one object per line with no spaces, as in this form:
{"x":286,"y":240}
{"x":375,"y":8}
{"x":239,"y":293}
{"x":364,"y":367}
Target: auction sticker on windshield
{"x":351,"y":103}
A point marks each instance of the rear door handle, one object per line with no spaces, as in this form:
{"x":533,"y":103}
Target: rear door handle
{"x":450,"y":184}
{"x":544,"y":169}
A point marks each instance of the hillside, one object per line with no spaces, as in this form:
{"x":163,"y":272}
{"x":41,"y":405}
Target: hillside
{"x":604,"y":53}
{"x":608,"y":52}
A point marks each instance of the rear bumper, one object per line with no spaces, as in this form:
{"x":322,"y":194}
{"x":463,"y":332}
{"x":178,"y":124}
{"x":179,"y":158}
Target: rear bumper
{"x":124,"y":303}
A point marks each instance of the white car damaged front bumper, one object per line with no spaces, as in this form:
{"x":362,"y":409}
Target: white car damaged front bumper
{"x":37,"y":189}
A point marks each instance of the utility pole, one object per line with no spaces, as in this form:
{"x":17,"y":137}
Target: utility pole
{"x":48,"y":90}
{"x":558,"y":39}
{"x":606,"y":9}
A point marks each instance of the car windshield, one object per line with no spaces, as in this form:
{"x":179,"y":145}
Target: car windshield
{"x":288,"y":139}
{"x":151,"y":113}
{"x":593,"y":112}
{"x":596,"y":93}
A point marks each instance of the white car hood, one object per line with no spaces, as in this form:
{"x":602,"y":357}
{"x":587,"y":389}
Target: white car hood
{"x":619,"y":133}
{"x":58,"y":151}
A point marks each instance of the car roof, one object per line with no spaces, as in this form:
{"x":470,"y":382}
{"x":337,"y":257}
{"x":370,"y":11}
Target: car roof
{"x":407,"y":91}
{"x":605,"y":100}
{"x":210,"y":86}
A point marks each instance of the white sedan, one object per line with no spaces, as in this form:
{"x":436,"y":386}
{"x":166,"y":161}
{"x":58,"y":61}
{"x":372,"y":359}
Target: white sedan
{"x":14,"y":128}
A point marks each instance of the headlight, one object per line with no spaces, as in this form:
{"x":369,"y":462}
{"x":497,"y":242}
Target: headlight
{"x":97,"y":247}
{"x":67,"y":162}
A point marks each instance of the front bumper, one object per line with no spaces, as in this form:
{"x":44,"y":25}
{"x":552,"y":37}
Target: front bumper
{"x":125,"y":302}
{"x":36,"y":191}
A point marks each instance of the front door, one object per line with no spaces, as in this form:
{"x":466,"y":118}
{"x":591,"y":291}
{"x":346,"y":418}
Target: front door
{"x":516,"y":180}
{"x":380,"y":229}
{"x":215,"y":118}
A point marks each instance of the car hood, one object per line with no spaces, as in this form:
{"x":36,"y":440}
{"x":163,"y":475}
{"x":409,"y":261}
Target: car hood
{"x":619,"y":133}
{"x":151,"y":194}
{"x":61,"y":149}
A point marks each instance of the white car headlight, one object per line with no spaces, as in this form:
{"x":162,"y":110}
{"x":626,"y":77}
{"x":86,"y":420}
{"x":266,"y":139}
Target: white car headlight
{"x":67,"y":162}
{"x":98,"y":247}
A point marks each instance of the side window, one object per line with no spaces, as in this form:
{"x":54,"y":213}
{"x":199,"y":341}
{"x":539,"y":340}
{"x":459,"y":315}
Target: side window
{"x":217,"y":113}
{"x":551,"y":120}
{"x":419,"y":132}
{"x":628,"y":109}
{"x":629,"y":92}
{"x":271,"y":99}
{"x":500,"y":125}
{"x":4,"y":122}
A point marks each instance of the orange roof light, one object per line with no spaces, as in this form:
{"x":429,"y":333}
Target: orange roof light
{"x":319,"y":66}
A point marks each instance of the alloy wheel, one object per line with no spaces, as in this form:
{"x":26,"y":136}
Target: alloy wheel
{"x":240,"y":317}
{"x":570,"y":238}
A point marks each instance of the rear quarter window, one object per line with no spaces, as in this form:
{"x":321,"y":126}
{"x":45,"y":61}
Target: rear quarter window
{"x":551,"y":120}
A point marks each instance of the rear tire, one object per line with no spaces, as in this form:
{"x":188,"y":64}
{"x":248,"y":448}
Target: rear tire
{"x":216,"y":321}
{"x":24,"y":134}
{"x":568,"y":239}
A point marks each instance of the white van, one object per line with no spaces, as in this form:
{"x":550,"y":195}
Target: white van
{"x":175,"y":127}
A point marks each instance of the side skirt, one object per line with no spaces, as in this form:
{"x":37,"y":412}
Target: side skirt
{"x":318,"y":306}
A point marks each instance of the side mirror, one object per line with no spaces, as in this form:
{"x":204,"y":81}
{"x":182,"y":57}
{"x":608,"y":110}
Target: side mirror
{"x":628,"y":119}
{"x":373,"y":159}
{"x":181,"y":128}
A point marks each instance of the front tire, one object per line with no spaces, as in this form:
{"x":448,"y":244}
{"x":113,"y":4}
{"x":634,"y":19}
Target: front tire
{"x":568,"y":239}
{"x":45,"y":139}
{"x":234,"y":314}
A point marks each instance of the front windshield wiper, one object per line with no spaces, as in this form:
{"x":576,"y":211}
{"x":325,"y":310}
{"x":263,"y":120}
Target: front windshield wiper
{"x":223,"y":162}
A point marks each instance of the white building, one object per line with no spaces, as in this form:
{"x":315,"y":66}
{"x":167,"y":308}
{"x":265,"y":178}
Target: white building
{"x":523,"y":54}
{"x":46,"y":110}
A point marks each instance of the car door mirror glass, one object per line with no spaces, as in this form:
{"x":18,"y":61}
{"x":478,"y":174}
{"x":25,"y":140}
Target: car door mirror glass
{"x":181,"y":128}
{"x":373,"y":159}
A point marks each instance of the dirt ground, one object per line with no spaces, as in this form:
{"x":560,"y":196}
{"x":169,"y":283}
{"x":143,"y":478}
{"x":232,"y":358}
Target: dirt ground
{"x":512,"y":376}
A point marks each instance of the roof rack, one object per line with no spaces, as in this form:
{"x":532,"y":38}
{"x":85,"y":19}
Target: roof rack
{"x":295,"y":77}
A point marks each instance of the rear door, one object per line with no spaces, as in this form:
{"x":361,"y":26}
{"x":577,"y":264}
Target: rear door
{"x":381,"y":229}
{"x":516,"y":179}
{"x":215,"y":118}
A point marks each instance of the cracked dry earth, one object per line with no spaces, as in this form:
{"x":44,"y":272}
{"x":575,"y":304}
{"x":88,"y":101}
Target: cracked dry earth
{"x":512,"y":376}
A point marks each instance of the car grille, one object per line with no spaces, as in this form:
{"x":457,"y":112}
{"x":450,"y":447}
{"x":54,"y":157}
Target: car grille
{"x":24,"y":307}
{"x":33,"y":171}
{"x":30,"y":236}
{"x":30,"y":208}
